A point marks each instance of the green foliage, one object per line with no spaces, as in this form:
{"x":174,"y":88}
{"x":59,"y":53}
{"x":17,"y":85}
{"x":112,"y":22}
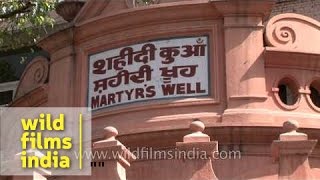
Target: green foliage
{"x":23,"y":22}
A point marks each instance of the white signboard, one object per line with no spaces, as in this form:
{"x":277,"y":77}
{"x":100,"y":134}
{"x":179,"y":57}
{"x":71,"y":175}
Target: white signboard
{"x":171,"y":68}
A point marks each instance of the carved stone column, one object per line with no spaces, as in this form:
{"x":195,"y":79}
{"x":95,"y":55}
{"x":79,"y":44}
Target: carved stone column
{"x":113,"y":165}
{"x":198,"y":146}
{"x":291,"y":151}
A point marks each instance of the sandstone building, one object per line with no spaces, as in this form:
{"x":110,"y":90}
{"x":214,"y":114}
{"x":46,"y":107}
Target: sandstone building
{"x":219,"y":76}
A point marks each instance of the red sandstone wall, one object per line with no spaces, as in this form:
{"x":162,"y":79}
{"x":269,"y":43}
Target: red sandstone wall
{"x":309,"y":8}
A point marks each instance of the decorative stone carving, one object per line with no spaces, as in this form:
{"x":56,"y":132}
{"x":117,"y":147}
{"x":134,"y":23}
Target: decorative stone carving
{"x":200,"y":142}
{"x":198,"y":139}
{"x":197,"y":135}
{"x":291,"y":134}
{"x":139,"y":3}
{"x":292,"y":151}
{"x":110,"y":143}
{"x":110,"y":138}
{"x":117,"y":160}
{"x":315,"y":84}
{"x":293,"y":32}
{"x":68,"y":9}
{"x":34,"y":76}
{"x":291,"y":82}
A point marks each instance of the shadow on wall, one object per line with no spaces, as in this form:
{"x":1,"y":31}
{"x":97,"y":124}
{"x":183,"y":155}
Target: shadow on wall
{"x":315,"y":166}
{"x":169,"y":169}
{"x":248,"y":167}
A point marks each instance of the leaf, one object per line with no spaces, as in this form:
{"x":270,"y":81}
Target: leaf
{"x":23,"y":22}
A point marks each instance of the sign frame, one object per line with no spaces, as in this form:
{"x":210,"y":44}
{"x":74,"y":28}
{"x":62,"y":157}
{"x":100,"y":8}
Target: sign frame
{"x":210,"y":98}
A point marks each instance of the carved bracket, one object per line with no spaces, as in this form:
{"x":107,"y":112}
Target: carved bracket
{"x":293,"y":32}
{"x":34,"y":76}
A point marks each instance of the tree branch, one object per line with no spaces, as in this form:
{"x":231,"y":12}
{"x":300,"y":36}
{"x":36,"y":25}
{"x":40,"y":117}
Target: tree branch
{"x":22,"y":9}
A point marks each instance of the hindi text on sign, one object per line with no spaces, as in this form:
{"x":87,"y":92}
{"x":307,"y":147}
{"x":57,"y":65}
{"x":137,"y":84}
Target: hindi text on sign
{"x":155,"y":70}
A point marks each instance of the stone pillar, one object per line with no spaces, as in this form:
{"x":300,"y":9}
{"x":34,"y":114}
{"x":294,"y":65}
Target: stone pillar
{"x":62,"y":67}
{"x":198,"y":146}
{"x":244,"y":47}
{"x":291,"y":151}
{"x":113,"y":165}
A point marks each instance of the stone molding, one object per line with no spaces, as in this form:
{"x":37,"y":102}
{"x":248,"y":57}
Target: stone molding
{"x":34,"y":98}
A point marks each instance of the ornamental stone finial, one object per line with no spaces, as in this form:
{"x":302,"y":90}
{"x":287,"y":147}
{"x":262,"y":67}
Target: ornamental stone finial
{"x":291,"y":133}
{"x":291,"y":126}
{"x":109,"y":138}
{"x":110,"y":133}
{"x":115,"y":165}
{"x":292,"y":151}
{"x":197,"y":127}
